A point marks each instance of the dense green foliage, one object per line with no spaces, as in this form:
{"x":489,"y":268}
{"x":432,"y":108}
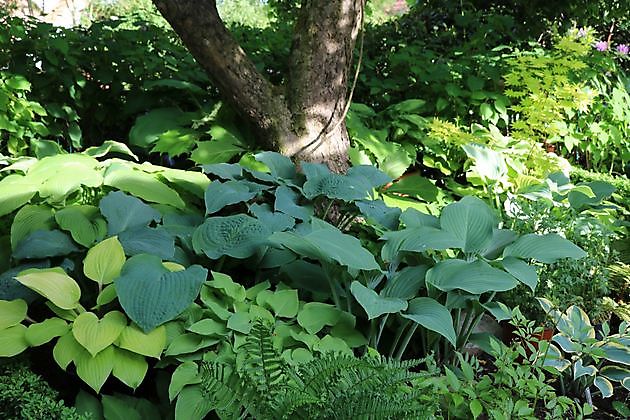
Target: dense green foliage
{"x":149,"y":247}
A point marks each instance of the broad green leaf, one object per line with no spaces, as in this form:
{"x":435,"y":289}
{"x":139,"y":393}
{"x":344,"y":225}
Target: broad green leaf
{"x":241,"y":322}
{"x":118,"y":409}
{"x":123,"y":211}
{"x":208,"y":327}
{"x":406,"y":283}
{"x":218,"y":150}
{"x":148,"y":240}
{"x":617,"y":353}
{"x":280,"y":166}
{"x":84,"y":223}
{"x":228,"y":286}
{"x":275,"y":221}
{"x":489,"y":164}
{"x":176,"y":142}
{"x":60,"y":175}
{"x":54,"y":284}
{"x":500,"y":239}
{"x":189,"y":343}
{"x":147,"y":344}
{"x":287,"y":203}
{"x":43,"y":332}
{"x":475,"y":408}
{"x":94,"y":334}
{"x":104,"y":261}
{"x":221,"y":194}
{"x":186,"y":374}
{"x":415,"y":186}
{"x":109,"y":146}
{"x":15,"y":191}
{"x":94,"y":371}
{"x":615,"y":373}
{"x":87,"y":404}
{"x":67,"y":350}
{"x":107,"y":295}
{"x":192,"y":404}
{"x":470,"y":220}
{"x":238,"y":236}
{"x":44,"y":243}
{"x":524,"y":272}
{"x":433,"y":316}
{"x":314,"y":316}
{"x":142,"y":184}
{"x":414,"y":218}
{"x":12,"y":312}
{"x":150,"y":126}
{"x":601,"y":191}
{"x":130,"y":368}
{"x":330,"y":344}
{"x":193,"y":182}
{"x":566,"y":343}
{"x":151,"y":295}
{"x":547,"y":248}
{"x":284,"y":303}
{"x":30,"y":219}
{"x":13,"y":341}
{"x":375,"y":305}
{"x":377,"y":211}
{"x":473,"y":277}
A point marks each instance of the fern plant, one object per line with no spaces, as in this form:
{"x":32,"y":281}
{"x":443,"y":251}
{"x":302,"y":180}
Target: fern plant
{"x":334,"y":386}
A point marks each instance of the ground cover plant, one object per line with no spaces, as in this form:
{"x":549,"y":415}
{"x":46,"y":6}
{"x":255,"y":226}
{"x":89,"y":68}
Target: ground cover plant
{"x":461,"y":253}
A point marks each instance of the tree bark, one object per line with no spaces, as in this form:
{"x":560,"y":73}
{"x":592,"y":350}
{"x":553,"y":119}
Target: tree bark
{"x":304,"y":119}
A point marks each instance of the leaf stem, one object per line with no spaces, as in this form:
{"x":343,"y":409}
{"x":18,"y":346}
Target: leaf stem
{"x":406,"y":341}
{"x":399,"y":334}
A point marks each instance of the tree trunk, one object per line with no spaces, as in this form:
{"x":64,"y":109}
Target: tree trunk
{"x":304,"y":118}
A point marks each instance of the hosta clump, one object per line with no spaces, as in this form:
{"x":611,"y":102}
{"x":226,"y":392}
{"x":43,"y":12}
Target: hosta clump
{"x":586,"y":358}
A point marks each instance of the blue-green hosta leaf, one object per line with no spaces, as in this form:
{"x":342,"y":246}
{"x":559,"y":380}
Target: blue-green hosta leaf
{"x":615,"y":373}
{"x":601,"y":191}
{"x":433,"y":316}
{"x":470,"y":220}
{"x":275,"y":221}
{"x":148,"y":240}
{"x":368,"y":176}
{"x":474,"y":277}
{"x":221,"y":194}
{"x":29,"y":219}
{"x":287,"y":202}
{"x":406,"y":283}
{"x":604,"y":385}
{"x":227,"y":171}
{"x":334,"y":186}
{"x":43,"y":244}
{"x":280,"y":166}
{"x":580,"y":370}
{"x":547,"y":248}
{"x":238,"y":236}
{"x":500,"y":239}
{"x":315,"y":315}
{"x":84,"y":223}
{"x":375,"y":305}
{"x":15,"y":191}
{"x":524,"y":272}
{"x":379,"y":212}
{"x":414,"y":218}
{"x":566,"y":343}
{"x":123,"y":211}
{"x":417,"y":239}
{"x":151,"y":295}
{"x":147,"y":186}
{"x":616,"y":352}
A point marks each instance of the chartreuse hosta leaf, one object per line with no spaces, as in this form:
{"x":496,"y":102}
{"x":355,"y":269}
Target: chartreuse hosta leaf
{"x":60,"y":175}
{"x":15,"y":191}
{"x":147,"y":344}
{"x":53,"y":284}
{"x":473,"y":277}
{"x":470,"y":220}
{"x":151,"y":295}
{"x":43,"y":332}
{"x":104,"y":261}
{"x":94,"y":334}
{"x":94,"y":371}
{"x":28,"y":220}
{"x":13,"y":340}
{"x":12,"y":312}
{"x":129,"y":367}
{"x":547,"y":248}
{"x":84,"y":223}
{"x":433,"y":316}
{"x":66,"y":350}
{"x":375,"y":305}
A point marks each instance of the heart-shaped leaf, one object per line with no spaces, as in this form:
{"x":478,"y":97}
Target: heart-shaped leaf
{"x":94,"y":371}
{"x":136,"y":341}
{"x":94,"y":334}
{"x":129,"y":367}
{"x":84,"y":223}
{"x":104,"y":261}
{"x":123,"y":211}
{"x":151,"y":295}
{"x":470,"y":220}
{"x":221,"y":194}
{"x":374,"y":304}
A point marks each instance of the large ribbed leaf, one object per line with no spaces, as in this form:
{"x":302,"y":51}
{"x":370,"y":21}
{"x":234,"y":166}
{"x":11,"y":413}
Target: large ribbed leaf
{"x":287,"y":203}
{"x":15,"y":191}
{"x":433,"y":316}
{"x":104,"y":261}
{"x":96,"y":334}
{"x":280,"y":166}
{"x":544,"y":248}
{"x":238,"y":236}
{"x":470,"y":220}
{"x":123,"y":211}
{"x":44,"y":243}
{"x":58,"y":176}
{"x":148,"y":240}
{"x":406,"y":283}
{"x":375,"y":305}
{"x":84,"y":223}
{"x":151,"y":295}
{"x":221,"y":194}
{"x":379,"y":212}
{"x":28,"y":220}
{"x":474,"y":277}
{"x":53,"y":284}
{"x":524,"y":272}
{"x":418,"y":239}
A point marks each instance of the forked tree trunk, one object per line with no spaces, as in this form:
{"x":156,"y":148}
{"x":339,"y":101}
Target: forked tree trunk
{"x":304,"y":118}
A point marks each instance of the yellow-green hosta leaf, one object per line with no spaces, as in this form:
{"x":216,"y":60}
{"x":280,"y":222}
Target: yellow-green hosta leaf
{"x":43,"y":332}
{"x":66,"y":350}
{"x":15,"y":191}
{"x":104,"y":261}
{"x":133,"y":339}
{"x":12,"y":312}
{"x":94,"y":334}
{"x":83,"y":222}
{"x":54,"y":284}
{"x":94,"y":371}
{"x":59,"y":175}
{"x":129,"y":367}
{"x":28,"y":220}
{"x":12,"y":341}
{"x":186,"y":374}
{"x":107,"y":295}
